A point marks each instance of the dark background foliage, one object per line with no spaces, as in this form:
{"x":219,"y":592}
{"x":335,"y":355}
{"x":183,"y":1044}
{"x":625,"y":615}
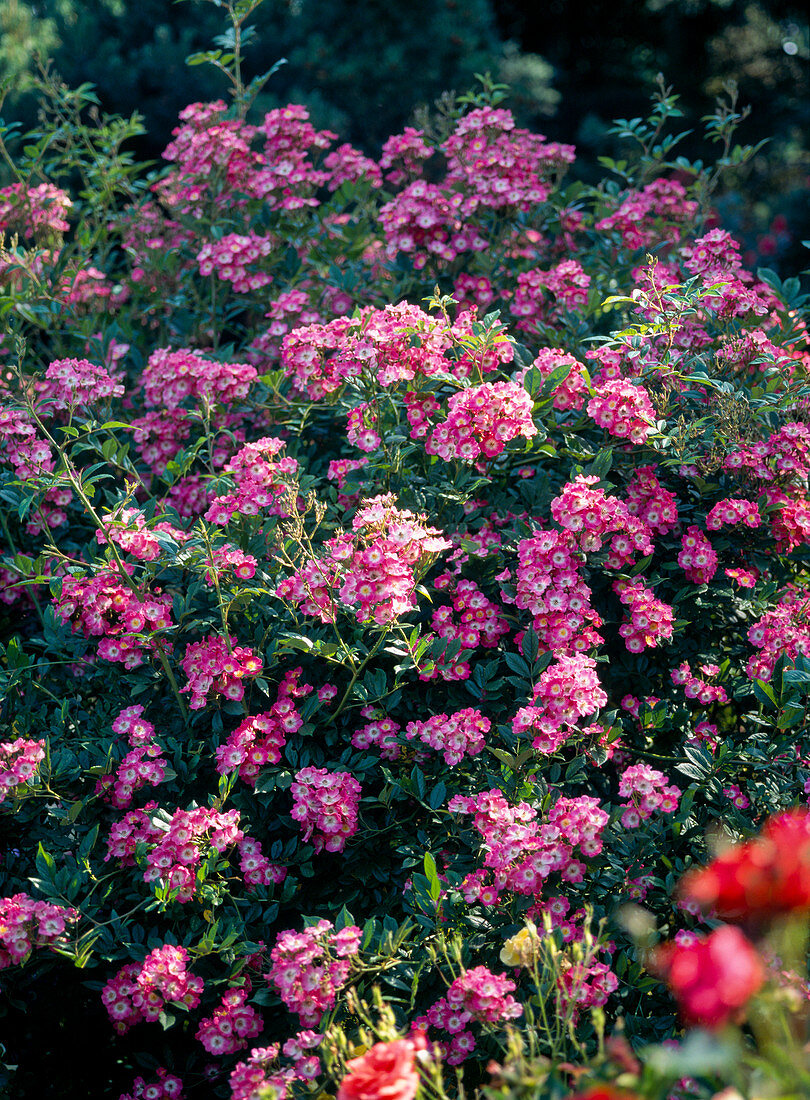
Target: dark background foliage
{"x":362,"y":68}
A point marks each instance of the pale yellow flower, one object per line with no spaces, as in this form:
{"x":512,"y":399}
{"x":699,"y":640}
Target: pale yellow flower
{"x":521,"y":949}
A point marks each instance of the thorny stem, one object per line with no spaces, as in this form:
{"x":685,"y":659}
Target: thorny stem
{"x":118,"y":917}
{"x":356,"y":674}
{"x":214,"y":574}
{"x":730,"y":119}
{"x":47,"y":691}
{"x":305,"y":543}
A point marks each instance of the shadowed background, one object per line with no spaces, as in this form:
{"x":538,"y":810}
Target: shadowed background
{"x":363,"y":68}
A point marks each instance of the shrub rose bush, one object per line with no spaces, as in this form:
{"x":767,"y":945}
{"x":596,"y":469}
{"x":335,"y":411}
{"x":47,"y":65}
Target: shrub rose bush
{"x":403,"y":573}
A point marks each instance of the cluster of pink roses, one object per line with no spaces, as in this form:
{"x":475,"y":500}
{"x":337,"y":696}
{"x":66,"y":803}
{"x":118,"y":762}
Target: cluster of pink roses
{"x":481,"y":420}
{"x":309,"y":967}
{"x":646,"y":790}
{"x":477,"y":995}
{"x":123,"y":617}
{"x":218,"y":666}
{"x":455,"y":736}
{"x":565,"y":692}
{"x":173,"y":377}
{"x":38,"y":211}
{"x":325,"y":805}
{"x":19,"y":761}
{"x":262,"y":479}
{"x":520,"y":852}
{"x":165,"y":1086}
{"x":261,"y":1071}
{"x":232,"y":256}
{"x":178,"y":851}
{"x":372,"y":571}
{"x":138,"y":993}
{"x":232,"y":1024}
{"x":144,"y":765}
{"x":26,"y":923}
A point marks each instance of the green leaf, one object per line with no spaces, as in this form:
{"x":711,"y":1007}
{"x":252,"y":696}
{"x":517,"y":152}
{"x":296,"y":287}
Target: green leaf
{"x":418,"y":782}
{"x":437,"y":795}
{"x":518,"y":664}
{"x":46,"y":867}
{"x":435,"y":887}
{"x":343,"y":919}
{"x":205,"y":57}
{"x":764,"y":693}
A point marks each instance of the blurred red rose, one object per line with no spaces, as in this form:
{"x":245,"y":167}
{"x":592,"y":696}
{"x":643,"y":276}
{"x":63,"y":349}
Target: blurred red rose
{"x":762,"y":878}
{"x":386,"y":1072}
{"x":713,"y":976}
{"x":603,"y":1092}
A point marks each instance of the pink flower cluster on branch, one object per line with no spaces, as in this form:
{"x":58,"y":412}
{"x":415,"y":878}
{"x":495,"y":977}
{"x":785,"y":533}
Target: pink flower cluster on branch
{"x":520,"y":852}
{"x":477,"y":996}
{"x":232,"y":1024}
{"x":373,"y":571}
{"x":651,"y":620}
{"x":566,"y":691}
{"x":72,"y":382}
{"x":550,"y":587}
{"x":571,"y":391}
{"x":623,"y":409}
{"x":646,"y":790}
{"x":481,"y":420}
{"x":259,"y":739}
{"x":325,"y":805}
{"x":127,"y":528}
{"x":590,"y":514}
{"x":784,"y":629}
{"x":39,"y":211}
{"x":191,"y":834}
{"x":142,"y":992}
{"x":455,"y":736}
{"x":101,"y":606}
{"x":172,"y":377}
{"x":26,"y":924}
{"x":19,"y":762}
{"x":262,"y":481}
{"x":733,"y":510}
{"x":697,"y":558}
{"x":309,"y":967}
{"x":233,"y":258}
{"x":260,"y":1071}
{"x":218,"y":666}
{"x":145,"y":764}
{"x":165,"y":1086}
